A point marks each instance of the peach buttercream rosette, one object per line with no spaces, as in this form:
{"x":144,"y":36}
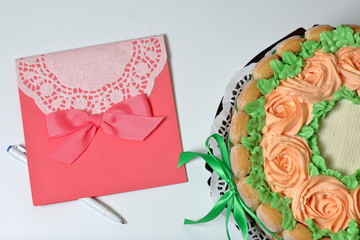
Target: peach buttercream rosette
{"x":326,"y":201}
{"x":286,"y":163}
{"x":284,"y":114}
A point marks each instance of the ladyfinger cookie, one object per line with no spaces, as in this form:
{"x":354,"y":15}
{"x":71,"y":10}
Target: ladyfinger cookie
{"x":270,"y":217}
{"x":248,"y":194}
{"x":240,"y":162}
{"x":291,"y":44}
{"x":313,"y":34}
{"x":238,"y":126}
{"x":262,"y":69}
{"x":249,"y":93}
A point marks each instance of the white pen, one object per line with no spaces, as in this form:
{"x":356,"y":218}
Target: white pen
{"x":19,"y":153}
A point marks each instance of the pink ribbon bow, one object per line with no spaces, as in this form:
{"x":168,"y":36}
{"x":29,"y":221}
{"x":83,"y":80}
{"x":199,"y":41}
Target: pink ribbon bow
{"x":129,"y":119}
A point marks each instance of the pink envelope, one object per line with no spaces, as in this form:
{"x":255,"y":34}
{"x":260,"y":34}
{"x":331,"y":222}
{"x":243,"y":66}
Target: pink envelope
{"x":94,"y":79}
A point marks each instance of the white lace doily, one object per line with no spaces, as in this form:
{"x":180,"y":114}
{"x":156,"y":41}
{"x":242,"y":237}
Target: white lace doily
{"x":92,"y":78}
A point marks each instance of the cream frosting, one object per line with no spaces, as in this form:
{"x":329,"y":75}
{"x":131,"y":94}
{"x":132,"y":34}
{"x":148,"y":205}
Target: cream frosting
{"x":324,"y":200}
{"x":286,"y":163}
{"x":284,"y":114}
{"x":349,"y":67}
{"x":318,"y":80}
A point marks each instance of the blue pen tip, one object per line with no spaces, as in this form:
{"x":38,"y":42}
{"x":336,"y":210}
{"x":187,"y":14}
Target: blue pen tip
{"x":8,"y":148}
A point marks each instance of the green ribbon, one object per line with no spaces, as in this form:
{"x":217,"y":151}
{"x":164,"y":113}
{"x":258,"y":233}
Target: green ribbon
{"x":231,"y":199}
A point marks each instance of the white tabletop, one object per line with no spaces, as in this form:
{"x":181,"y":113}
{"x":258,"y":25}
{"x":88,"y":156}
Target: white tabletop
{"x":207,"y":41}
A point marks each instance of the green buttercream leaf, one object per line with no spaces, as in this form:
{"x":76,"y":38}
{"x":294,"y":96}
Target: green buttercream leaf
{"x":328,"y":107}
{"x":255,"y":125}
{"x":341,"y":235}
{"x":306,"y":132}
{"x":251,"y":126}
{"x":255,"y":108}
{"x":327,"y":41}
{"x":357,"y":40}
{"x":290,"y":66}
{"x":346,"y":35}
{"x":342,"y":36}
{"x":288,"y":221}
{"x":352,"y":232}
{"x":282,"y":204}
{"x":290,"y":71}
{"x":277,"y":66}
{"x":319,"y":162}
{"x":347,"y":93}
{"x":267,"y":85}
{"x":333,"y":173}
{"x":276,"y":201}
{"x":338,"y":95}
{"x":313,"y":170}
{"x":308,"y":48}
{"x":251,"y":141}
{"x":350,"y":182}
{"x":265,"y":194}
{"x":317,"y":233}
{"x":321,"y":109}
{"x":357,"y":174}
{"x":356,"y":100}
{"x":315,"y":124}
{"x":255,"y":179}
{"x":256,"y":158}
{"x":312,"y":141}
{"x":353,"y":229}
{"x":291,"y":59}
{"x":311,"y":225}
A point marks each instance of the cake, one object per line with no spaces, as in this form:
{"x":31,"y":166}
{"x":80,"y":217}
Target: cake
{"x":283,"y":122}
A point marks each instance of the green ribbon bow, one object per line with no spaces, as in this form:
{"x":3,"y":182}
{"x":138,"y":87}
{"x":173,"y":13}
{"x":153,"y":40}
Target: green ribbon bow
{"x":231,"y":199}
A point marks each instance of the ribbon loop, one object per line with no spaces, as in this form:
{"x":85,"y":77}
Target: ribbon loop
{"x":129,"y":119}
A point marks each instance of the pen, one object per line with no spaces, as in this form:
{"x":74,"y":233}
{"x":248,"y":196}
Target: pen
{"x":19,"y":153}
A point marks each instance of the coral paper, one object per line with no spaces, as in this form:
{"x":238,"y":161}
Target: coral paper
{"x":94,"y":79}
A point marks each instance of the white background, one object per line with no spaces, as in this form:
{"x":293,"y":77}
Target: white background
{"x":207,"y":42}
